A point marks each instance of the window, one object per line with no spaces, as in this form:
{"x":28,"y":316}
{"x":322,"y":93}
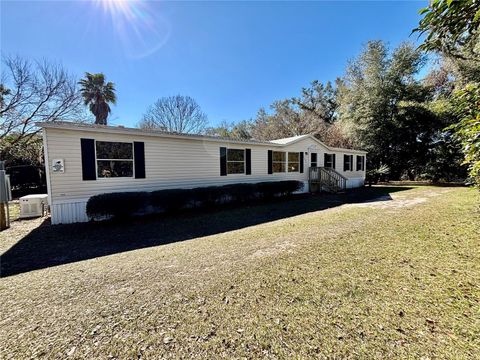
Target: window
{"x":114,"y":159}
{"x":313,"y":160}
{"x":235,"y":161}
{"x":347,"y":162}
{"x":329,"y":161}
{"x":278,"y":161}
{"x":360,"y":163}
{"x":293,"y":162}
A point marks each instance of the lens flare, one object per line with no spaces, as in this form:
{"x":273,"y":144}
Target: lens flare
{"x":141,"y":30}
{"x":115,"y":7}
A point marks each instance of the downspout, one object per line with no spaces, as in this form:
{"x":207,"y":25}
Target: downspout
{"x":47,"y":168}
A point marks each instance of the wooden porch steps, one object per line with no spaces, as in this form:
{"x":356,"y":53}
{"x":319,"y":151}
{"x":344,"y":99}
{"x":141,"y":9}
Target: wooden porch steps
{"x":326,"y":179}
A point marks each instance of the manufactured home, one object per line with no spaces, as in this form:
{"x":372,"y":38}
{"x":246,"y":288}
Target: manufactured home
{"x":85,"y":160}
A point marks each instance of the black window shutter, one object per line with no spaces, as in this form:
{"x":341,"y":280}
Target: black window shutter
{"x":223,"y":161}
{"x":270,"y":158}
{"x":345,"y":159}
{"x":351,"y":162}
{"x":248,"y":161}
{"x":359,"y":162}
{"x":87,"y":147}
{"x":301,"y":162}
{"x":139,"y":159}
{"x":333,"y":157}
{"x":363,"y":163}
{"x":325,"y":159}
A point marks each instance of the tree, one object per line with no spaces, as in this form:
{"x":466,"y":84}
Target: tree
{"x":3,"y":92}
{"x":313,"y":112}
{"x":452,"y":28}
{"x":285,"y":120}
{"x":180,"y":114}
{"x":33,"y":92}
{"x":467,"y":104}
{"x":97,"y":95}
{"x":383,"y":108}
{"x":444,"y":161}
{"x":319,"y":101}
{"x":241,"y":130}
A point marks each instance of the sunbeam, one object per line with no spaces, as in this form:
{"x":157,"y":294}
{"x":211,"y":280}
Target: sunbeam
{"x":140,"y":30}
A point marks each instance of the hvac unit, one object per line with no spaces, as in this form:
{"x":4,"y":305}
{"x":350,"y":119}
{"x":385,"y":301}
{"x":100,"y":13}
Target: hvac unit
{"x":33,"y":205}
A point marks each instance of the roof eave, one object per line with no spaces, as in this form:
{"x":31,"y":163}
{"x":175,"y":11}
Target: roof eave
{"x":140,"y":132}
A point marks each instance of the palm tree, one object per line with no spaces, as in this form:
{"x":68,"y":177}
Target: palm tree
{"x":97,"y":94}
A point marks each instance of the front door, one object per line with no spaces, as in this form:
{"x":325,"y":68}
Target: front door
{"x":313,"y":160}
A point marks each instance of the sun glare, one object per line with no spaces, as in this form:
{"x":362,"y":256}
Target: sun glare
{"x":140,"y":29}
{"x":118,"y":7}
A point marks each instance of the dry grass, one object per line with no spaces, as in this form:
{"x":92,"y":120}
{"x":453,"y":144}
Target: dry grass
{"x":353,"y":281}
{"x":14,"y":209}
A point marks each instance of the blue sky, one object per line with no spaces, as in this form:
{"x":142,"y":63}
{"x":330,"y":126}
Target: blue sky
{"x":232,"y":57}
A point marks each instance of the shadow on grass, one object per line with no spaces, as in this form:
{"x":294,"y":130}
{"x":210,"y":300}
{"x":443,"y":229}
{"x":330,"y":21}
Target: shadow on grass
{"x":48,"y":246}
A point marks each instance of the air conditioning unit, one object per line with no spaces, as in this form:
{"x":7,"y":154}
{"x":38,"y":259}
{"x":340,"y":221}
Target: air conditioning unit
{"x":33,"y":205}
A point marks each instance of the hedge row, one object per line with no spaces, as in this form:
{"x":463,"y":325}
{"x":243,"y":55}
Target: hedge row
{"x":126,"y":204}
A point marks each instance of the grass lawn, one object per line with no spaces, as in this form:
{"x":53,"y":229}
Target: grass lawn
{"x":14,"y":208}
{"x":315,"y":277}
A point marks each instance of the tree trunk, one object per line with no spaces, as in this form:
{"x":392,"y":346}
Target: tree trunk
{"x":3,"y":217}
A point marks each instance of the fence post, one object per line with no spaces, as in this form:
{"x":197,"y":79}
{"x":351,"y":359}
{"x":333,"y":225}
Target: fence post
{"x":4,"y":221}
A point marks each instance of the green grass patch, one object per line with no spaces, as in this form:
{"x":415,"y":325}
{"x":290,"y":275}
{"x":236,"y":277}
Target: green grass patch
{"x":391,"y":278}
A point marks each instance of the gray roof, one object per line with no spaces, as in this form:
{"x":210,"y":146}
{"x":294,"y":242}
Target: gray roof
{"x":68,"y":125}
{"x":138,"y":131}
{"x":289,"y":140}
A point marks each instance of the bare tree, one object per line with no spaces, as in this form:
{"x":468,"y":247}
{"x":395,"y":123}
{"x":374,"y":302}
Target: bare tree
{"x":178,"y":113}
{"x":293,"y":117}
{"x":32,"y":92}
{"x":240,"y":130}
{"x":285,"y":120}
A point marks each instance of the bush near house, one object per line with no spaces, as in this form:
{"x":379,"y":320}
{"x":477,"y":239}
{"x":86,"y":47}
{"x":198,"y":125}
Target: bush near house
{"x":208,"y":197}
{"x":170,"y":200}
{"x":241,"y":193}
{"x":126,"y":204}
{"x":117,"y":205}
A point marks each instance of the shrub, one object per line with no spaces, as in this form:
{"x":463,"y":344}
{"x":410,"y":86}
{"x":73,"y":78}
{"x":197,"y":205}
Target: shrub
{"x":117,"y":205}
{"x":126,"y":204}
{"x":240,"y":193}
{"x":375,"y":175}
{"x":171,"y":200}
{"x":268,"y":190}
{"x":208,"y":196}
{"x":288,"y":187}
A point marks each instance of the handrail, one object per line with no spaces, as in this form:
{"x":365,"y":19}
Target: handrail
{"x":336,"y":172}
{"x":327,"y":178}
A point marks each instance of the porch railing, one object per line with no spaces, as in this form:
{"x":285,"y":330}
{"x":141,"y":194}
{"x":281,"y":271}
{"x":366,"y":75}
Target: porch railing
{"x":326,"y":179}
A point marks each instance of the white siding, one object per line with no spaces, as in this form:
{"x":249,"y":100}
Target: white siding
{"x":169,"y":163}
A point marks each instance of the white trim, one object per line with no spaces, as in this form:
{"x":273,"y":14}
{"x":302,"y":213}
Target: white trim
{"x":294,"y":162}
{"x":296,"y":139}
{"x":155,"y":133}
{"x":141,"y":132}
{"x":47,"y":166}
{"x":285,"y":162}
{"x":350,"y":162}
{"x":236,"y":161}
{"x":115,"y":177}
{"x":73,"y":201}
